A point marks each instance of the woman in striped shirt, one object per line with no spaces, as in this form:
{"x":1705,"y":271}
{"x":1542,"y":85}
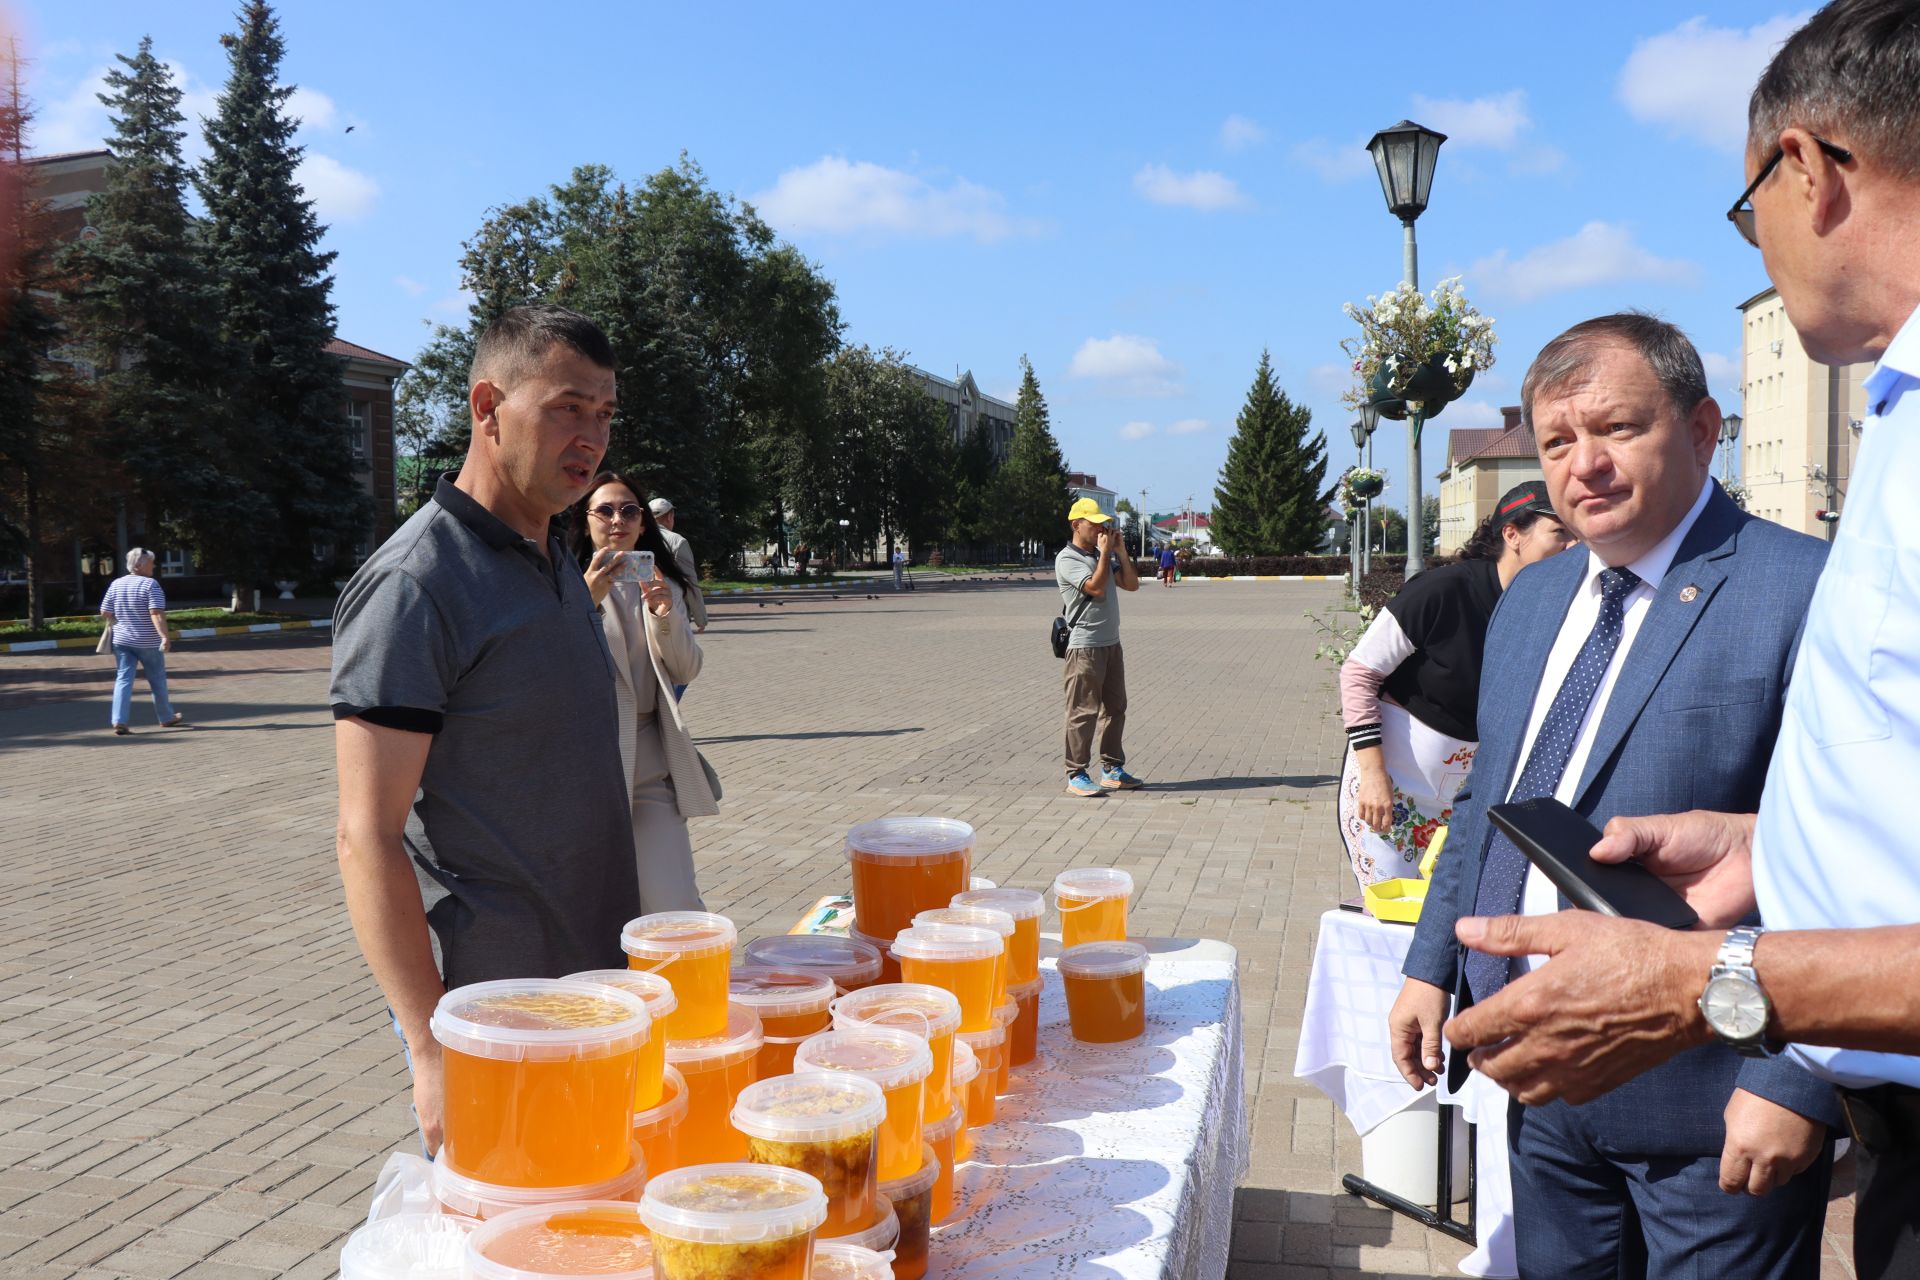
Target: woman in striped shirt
{"x":135,"y":609}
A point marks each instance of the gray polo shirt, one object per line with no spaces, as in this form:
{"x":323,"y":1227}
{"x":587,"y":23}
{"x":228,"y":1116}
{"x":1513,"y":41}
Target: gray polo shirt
{"x":1098,"y":621}
{"x":457,"y":626}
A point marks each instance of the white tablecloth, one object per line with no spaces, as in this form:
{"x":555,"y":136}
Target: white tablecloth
{"x":1114,"y":1162}
{"x":1344,"y":1053}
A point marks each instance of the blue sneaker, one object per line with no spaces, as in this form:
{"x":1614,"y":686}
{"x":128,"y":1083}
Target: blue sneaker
{"x":1079,"y":784}
{"x":1115,"y":778}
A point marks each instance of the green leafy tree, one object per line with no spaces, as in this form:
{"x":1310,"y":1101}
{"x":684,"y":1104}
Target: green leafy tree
{"x":1033,"y":482}
{"x":890,"y":471}
{"x":1429,"y":523}
{"x":143,"y":308}
{"x":1272,"y":495}
{"x":282,"y":415}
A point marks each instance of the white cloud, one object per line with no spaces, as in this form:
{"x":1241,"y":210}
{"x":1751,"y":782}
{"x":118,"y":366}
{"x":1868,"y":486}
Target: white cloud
{"x":1136,"y":430}
{"x":1467,"y":414}
{"x":1330,"y":380}
{"x":1187,"y":426}
{"x":1696,"y":79}
{"x":1128,"y":364}
{"x":1598,"y":253}
{"x":1539,"y":158}
{"x":834,"y":195}
{"x":1341,"y":162}
{"x":75,"y":120}
{"x":1723,"y":371}
{"x":409,"y":286}
{"x":1237,"y":133}
{"x":339,"y":194}
{"x":1202,"y":189}
{"x":312,"y":108}
{"x":1494,"y":121}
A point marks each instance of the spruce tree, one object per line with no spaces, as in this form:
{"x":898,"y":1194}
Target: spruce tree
{"x":143,"y":305}
{"x":975,"y":517}
{"x":1270,"y":499}
{"x":283,"y":416}
{"x":1033,"y":483}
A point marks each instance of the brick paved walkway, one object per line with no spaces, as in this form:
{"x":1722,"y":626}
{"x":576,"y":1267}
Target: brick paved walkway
{"x":198,"y":1078}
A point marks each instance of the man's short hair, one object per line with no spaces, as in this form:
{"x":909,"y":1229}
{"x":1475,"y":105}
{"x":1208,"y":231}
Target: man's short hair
{"x":519,"y":337}
{"x":1667,"y":351}
{"x":1852,"y":71}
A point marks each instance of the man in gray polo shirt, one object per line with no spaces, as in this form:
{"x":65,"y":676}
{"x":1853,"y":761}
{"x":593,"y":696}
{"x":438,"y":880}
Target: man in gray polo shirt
{"x":1087,"y":570}
{"x":474,"y":723}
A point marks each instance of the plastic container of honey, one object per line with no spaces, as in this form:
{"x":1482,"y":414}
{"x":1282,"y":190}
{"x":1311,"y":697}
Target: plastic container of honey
{"x":838,"y":1260}
{"x":716,"y":1069}
{"x":912,"y":1200}
{"x":1106,"y":986}
{"x":957,"y":958}
{"x":889,"y":967}
{"x":539,"y":1080}
{"x":880,"y":1236}
{"x":792,"y":1006}
{"x":604,"y":1238}
{"x":733,"y":1222}
{"x":693,"y":950}
{"x":660,"y":1001}
{"x":822,"y":1123}
{"x":966,"y":1069}
{"x":991,"y":918}
{"x":407,"y":1246}
{"x":941,"y":1136}
{"x":657,"y":1128}
{"x":988,"y":1049}
{"x":911,"y":1006}
{"x":1003,"y":1018}
{"x":1023,"y":1037}
{"x":899,"y":1063}
{"x":471,"y":1198}
{"x":851,"y":962}
{"x":904,"y":865}
{"x":1093,"y":904}
{"x":1025,"y":907}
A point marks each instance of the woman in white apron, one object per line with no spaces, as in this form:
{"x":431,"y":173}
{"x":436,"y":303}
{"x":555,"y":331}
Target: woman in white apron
{"x":1410,"y":689}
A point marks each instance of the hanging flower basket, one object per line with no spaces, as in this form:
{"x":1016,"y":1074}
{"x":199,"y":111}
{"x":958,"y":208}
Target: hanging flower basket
{"x":1415,"y":349}
{"x":1362,"y":483}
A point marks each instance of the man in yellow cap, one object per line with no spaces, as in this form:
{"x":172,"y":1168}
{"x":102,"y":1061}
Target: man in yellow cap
{"x":1088,"y":569}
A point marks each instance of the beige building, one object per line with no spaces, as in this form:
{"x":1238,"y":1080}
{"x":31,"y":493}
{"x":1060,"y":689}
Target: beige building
{"x":1482,"y":464}
{"x":967,"y":406}
{"x":1800,"y":428}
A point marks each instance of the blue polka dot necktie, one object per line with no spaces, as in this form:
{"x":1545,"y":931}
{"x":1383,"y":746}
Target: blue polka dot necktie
{"x":1504,"y":875}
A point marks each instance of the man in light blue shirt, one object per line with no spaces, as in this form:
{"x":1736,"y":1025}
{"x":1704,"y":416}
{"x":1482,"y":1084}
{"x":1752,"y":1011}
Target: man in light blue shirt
{"x":1833,"y":857}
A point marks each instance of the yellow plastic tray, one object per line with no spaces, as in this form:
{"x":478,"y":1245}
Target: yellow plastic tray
{"x":1398,"y":900}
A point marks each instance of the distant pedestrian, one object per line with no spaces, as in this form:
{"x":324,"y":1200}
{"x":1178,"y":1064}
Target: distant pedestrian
{"x":1086,"y":570}
{"x":1168,"y":563}
{"x":662,"y":511}
{"x":135,"y":609}
{"x":899,"y":569}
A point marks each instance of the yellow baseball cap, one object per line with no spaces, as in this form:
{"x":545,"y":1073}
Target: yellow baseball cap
{"x":1089,"y":510}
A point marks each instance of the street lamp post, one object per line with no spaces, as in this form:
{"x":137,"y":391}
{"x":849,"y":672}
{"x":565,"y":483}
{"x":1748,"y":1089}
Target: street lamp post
{"x":1405,"y":156}
{"x":1369,"y":420}
{"x":1729,"y":435}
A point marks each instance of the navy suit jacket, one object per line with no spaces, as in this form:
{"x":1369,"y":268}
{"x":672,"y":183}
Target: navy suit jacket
{"x":1690,"y":724}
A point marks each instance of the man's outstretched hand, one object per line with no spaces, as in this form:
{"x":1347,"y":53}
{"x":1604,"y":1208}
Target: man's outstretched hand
{"x":1705,"y":857}
{"x":1615,"y":998}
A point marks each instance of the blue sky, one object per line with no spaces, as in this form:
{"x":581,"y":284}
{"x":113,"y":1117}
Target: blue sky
{"x":1140,"y":198}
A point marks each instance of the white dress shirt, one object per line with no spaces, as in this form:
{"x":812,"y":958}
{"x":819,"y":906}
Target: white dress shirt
{"x":1540,"y":897}
{"x":1837,"y":844}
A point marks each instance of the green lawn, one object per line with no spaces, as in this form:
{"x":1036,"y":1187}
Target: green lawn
{"x":16,"y":629}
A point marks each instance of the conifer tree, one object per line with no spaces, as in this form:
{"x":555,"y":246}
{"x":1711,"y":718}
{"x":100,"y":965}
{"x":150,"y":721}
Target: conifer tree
{"x":283,"y":416}
{"x":1033,"y":483}
{"x":1270,"y":499}
{"x":975,"y":517}
{"x":143,"y":306}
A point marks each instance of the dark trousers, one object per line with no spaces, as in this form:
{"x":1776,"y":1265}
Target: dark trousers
{"x":1886,"y":1219}
{"x":1584,"y":1212}
{"x":1096,"y":681}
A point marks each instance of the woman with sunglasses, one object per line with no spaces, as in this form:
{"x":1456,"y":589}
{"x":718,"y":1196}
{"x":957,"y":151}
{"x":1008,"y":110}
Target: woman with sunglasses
{"x":651,"y":639}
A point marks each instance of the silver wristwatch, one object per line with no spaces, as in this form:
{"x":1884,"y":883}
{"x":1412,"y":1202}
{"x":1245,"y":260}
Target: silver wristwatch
{"x":1734,"y":1003}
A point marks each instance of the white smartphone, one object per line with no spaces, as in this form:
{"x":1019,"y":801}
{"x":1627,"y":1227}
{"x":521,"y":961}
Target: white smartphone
{"x":634,"y":566}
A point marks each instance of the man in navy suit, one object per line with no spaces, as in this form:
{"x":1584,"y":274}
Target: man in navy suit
{"x":1643,"y":672}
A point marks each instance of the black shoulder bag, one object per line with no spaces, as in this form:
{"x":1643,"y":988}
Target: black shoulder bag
{"x":1063,"y":629}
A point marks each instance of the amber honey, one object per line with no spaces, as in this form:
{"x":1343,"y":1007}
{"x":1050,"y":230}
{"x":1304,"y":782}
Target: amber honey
{"x":823,"y":1124}
{"x":716,"y":1069}
{"x":961,"y":959}
{"x":1023,"y":1036}
{"x":539,"y":1081}
{"x":896,"y":1061}
{"x":1093,"y":904}
{"x":600,"y":1238}
{"x":942,"y":1138}
{"x":912,"y":1200}
{"x":692,"y":950}
{"x":733,"y":1222}
{"x":902,"y":866}
{"x":927,"y":1011}
{"x":657,"y":992}
{"x":656,"y":1129}
{"x":1106,"y":991}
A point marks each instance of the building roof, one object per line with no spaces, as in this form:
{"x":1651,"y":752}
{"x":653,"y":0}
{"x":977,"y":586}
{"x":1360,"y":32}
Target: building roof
{"x":353,"y":351}
{"x":59,"y":156}
{"x":1467,"y":442}
{"x":1490,"y":442}
{"x":1761,"y":296}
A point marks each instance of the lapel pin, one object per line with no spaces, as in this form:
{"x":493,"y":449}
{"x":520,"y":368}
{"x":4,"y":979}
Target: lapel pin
{"x":1689,"y":593}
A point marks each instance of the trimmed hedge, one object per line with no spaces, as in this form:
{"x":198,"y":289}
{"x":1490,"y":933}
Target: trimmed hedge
{"x":1279,"y":566}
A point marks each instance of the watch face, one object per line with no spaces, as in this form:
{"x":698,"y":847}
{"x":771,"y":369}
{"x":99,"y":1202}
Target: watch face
{"x":1735,"y":1008}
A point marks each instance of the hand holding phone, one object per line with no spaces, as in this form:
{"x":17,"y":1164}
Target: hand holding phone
{"x":1559,"y":842}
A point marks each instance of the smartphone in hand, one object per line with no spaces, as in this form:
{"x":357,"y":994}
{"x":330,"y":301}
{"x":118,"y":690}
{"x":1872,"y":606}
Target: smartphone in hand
{"x":634,"y":566}
{"x":1559,"y":841}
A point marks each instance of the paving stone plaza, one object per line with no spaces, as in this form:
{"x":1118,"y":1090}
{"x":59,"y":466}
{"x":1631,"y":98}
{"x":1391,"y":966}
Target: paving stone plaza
{"x":198,"y":1077}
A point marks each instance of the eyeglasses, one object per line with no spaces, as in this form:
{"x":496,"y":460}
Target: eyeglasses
{"x":607,"y":511}
{"x":1741,"y":215}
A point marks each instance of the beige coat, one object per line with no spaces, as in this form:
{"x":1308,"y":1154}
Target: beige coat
{"x":676,"y":660}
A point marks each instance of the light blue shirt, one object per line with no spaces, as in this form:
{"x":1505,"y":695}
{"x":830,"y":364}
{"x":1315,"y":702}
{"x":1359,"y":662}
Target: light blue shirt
{"x":1838,"y":839}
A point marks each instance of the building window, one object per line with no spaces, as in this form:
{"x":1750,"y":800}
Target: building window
{"x":357,"y":435}
{"x":174,"y":563}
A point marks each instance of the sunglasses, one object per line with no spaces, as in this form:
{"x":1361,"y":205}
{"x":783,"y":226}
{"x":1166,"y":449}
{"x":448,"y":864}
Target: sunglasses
{"x":1741,"y":215}
{"x":607,"y":511}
